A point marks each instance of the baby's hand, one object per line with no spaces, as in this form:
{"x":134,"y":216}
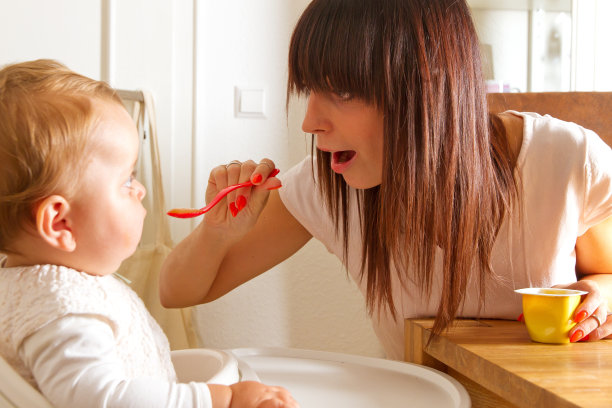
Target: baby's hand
{"x":252,"y":394}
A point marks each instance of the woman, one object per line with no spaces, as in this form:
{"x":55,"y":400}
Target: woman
{"x":435,"y":208}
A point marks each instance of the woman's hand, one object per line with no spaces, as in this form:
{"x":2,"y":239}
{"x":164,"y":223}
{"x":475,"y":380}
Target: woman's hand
{"x":592,"y":318}
{"x":240,"y":208}
{"x":208,"y":256}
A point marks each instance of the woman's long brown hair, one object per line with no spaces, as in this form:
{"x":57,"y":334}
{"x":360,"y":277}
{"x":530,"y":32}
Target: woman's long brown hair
{"x":447,"y":175}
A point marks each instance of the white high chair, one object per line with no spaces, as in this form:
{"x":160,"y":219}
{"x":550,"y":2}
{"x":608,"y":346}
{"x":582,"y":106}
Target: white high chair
{"x":17,"y":392}
{"x":202,"y":365}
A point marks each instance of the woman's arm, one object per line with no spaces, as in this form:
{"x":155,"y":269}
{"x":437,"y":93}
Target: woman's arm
{"x":594,"y":249}
{"x":594,"y":257}
{"x":594,"y":269}
{"x":215,"y":258}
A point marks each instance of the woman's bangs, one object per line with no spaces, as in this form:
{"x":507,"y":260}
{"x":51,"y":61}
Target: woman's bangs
{"x":331,"y":52}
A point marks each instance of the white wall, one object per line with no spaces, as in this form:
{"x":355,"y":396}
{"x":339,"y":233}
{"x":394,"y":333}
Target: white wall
{"x":593,"y":66}
{"x":519,"y":30}
{"x":153,"y":50}
{"x":307,"y":301}
{"x":32,"y":29}
{"x":506,"y":31}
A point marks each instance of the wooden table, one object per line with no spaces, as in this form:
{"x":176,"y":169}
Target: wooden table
{"x":501,"y":367}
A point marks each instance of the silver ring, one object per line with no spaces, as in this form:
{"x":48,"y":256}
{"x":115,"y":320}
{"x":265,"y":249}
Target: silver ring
{"x":599,"y":322}
{"x":267,"y":164}
{"x":233,"y":162}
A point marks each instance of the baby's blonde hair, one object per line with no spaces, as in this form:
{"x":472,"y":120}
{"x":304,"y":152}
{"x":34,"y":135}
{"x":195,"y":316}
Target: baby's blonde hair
{"x":46,"y":119}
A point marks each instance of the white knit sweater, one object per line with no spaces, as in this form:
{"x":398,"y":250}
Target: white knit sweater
{"x":34,"y":296}
{"x":88,"y":341}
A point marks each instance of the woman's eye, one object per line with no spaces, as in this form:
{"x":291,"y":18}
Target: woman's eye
{"x":344,"y":96}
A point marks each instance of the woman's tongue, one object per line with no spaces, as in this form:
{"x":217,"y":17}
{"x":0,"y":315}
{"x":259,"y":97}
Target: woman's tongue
{"x":341,"y":160}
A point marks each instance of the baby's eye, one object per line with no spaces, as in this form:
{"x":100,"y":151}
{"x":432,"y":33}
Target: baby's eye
{"x":128,"y":183}
{"x":130,"y":180}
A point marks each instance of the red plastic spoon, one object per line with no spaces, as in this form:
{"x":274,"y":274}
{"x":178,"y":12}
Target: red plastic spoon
{"x":194,"y":212}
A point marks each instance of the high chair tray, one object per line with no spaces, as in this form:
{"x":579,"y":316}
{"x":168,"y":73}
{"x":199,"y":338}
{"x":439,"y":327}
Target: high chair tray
{"x":318,"y":379}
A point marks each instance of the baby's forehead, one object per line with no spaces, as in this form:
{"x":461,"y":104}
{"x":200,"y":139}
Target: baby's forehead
{"x":114,"y":135}
{"x":105,"y":106}
{"x":111,"y":115}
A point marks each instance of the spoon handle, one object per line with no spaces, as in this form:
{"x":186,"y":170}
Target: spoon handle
{"x":192,"y":212}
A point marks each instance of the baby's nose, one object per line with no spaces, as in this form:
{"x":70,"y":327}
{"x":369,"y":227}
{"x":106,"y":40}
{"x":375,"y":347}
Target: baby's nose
{"x":140,"y":189}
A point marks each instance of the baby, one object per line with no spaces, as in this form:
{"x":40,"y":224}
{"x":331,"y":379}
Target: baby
{"x":70,"y":213}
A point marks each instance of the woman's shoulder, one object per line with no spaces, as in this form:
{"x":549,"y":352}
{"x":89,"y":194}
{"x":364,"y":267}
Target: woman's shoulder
{"x":547,"y":135}
{"x":300,"y":193}
{"x":299,"y":182}
{"x":537,"y":125}
{"x":302,"y":168}
{"x":302,"y":197}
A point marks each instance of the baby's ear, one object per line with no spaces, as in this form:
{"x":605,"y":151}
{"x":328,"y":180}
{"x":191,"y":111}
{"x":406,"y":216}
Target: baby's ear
{"x":52,"y":223}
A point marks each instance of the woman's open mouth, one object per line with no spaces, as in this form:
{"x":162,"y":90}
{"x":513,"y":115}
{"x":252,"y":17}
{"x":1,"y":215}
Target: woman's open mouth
{"x":341,"y":160}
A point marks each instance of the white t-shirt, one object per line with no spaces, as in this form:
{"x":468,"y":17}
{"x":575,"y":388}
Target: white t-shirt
{"x":566,"y":177}
{"x":87,"y":341}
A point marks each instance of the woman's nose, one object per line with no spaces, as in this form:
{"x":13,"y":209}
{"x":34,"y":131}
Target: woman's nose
{"x":315,"y":121}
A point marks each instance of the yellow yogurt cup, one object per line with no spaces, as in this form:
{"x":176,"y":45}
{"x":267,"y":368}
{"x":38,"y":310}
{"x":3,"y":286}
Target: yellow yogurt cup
{"x":548,"y":313}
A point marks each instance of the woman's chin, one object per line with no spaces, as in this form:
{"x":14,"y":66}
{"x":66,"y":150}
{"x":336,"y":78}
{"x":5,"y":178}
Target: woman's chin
{"x":360,"y":183}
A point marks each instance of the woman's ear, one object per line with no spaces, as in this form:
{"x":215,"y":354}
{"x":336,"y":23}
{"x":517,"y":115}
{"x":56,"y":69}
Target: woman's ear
{"x":52,"y":223}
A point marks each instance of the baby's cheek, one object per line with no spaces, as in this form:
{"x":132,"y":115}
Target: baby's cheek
{"x":129,"y":243}
{"x":137,"y":223}
{"x":130,"y":229}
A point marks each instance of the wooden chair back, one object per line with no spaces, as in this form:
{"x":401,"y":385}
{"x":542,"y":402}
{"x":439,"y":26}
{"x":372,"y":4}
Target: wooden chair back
{"x":592,"y":110}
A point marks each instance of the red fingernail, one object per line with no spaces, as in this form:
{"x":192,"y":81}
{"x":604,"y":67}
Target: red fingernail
{"x":233,"y":209}
{"x":520,"y":318}
{"x":274,"y":188}
{"x":256,"y":178}
{"x":585,"y":338}
{"x":578,"y":334}
{"x":241,"y":202}
{"x":580,"y":316}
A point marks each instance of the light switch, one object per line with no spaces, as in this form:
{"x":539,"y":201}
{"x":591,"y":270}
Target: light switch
{"x":250,"y":102}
